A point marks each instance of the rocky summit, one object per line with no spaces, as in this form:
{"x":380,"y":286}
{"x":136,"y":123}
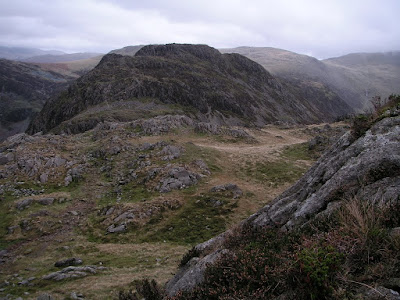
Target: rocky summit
{"x":196,"y":80}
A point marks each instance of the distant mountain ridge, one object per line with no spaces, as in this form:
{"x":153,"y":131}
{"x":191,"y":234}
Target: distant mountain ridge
{"x":355,"y":78}
{"x":33,"y":55}
{"x":50,"y":58}
{"x":356,"y":59}
{"x":18,"y":53}
{"x":223,"y":88}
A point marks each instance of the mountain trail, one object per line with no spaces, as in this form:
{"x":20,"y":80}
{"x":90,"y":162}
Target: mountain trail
{"x":271,"y":140}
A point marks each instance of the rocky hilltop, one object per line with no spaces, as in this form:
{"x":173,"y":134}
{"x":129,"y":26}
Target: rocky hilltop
{"x":24,"y":88}
{"x":196,"y":79}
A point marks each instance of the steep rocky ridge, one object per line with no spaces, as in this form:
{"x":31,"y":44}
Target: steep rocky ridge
{"x":24,"y":88}
{"x":225,"y":89}
{"x":354,"y":78}
{"x":366,"y":168}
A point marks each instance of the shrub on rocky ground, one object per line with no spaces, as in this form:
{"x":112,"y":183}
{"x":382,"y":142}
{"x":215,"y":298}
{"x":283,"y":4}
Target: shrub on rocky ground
{"x":381,"y":109}
{"x":317,"y":262}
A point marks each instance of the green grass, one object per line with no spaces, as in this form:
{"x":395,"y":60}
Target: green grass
{"x":298,"y":152}
{"x":286,"y":169}
{"x":131,"y":193}
{"x":6,"y":219}
{"x":55,"y":188}
{"x":9,"y":216}
{"x":197,"y":221}
{"x":93,"y":256}
{"x":275,"y":172}
{"x":194,"y":152}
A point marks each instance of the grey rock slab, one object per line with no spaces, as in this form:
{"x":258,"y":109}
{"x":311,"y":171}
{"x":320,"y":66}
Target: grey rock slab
{"x":76,"y":296}
{"x":11,"y":229}
{"x":67,"y":180}
{"x":73,"y":261}
{"x":381,"y":292}
{"x":124,"y":216}
{"x":27,"y":281}
{"x":233,"y":188}
{"x":45,"y":297}
{"x":116,"y":229}
{"x":46,"y":201}
{"x":202,"y":165}
{"x":170,"y":152}
{"x":178,"y":178}
{"x":21,"y":205}
{"x":59,"y":161}
{"x":44,"y":178}
{"x":193,"y":273}
{"x":72,"y":272}
{"x":3,"y":159}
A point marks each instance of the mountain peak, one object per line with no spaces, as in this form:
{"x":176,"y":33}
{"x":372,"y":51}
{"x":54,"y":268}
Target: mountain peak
{"x":168,"y":50}
{"x":228,"y":89}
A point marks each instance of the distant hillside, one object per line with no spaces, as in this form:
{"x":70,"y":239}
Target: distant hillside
{"x":368,"y":74}
{"x":74,"y":68}
{"x":354,"y":78}
{"x":49,"y":58}
{"x":362,"y":59}
{"x":18,"y":53}
{"x":226,"y":89}
{"x":24,"y":88}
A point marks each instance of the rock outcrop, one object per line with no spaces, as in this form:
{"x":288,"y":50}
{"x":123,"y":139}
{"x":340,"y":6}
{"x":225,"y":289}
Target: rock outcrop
{"x":368,"y":167}
{"x":73,"y":272}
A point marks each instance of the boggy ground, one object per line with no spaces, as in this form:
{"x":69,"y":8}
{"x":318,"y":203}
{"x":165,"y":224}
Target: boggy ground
{"x":131,"y":205}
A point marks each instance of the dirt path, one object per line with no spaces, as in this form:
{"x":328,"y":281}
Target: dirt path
{"x":240,"y":156}
{"x":271,"y":141}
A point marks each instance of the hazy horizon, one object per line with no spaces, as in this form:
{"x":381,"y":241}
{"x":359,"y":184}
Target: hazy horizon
{"x":322,"y":29}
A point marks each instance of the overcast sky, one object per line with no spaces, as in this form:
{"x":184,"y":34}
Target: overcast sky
{"x":321,"y":28}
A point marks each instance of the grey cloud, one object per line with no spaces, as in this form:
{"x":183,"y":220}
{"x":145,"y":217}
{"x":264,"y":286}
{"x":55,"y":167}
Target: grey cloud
{"x":321,"y":28}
